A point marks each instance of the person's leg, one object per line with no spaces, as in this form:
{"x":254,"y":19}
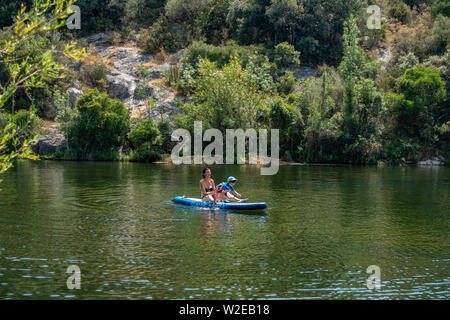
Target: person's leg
{"x":231,"y":197}
{"x":208,"y":199}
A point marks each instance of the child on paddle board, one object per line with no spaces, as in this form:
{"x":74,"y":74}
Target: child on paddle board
{"x":226,"y":192}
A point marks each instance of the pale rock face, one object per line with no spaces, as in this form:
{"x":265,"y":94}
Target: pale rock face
{"x":124,"y":84}
{"x":50,"y":144}
{"x":164,"y":110}
{"x":302,"y":72}
{"x":74,"y":95}
{"x":432,"y":162}
{"x":98,"y":39}
{"x":157,"y":71}
{"x":120,"y":86}
{"x":127,"y":60}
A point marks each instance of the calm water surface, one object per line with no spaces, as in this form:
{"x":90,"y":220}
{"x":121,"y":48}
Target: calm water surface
{"x":323,"y":228}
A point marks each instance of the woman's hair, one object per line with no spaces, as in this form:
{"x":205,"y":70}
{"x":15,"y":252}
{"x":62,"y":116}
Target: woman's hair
{"x":203,"y":172}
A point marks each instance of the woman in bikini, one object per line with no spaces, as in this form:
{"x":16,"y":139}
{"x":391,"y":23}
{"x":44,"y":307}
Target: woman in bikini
{"x":207,"y":186}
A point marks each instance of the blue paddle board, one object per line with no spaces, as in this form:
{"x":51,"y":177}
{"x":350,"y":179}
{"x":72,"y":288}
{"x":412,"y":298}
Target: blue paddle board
{"x":221,"y":205}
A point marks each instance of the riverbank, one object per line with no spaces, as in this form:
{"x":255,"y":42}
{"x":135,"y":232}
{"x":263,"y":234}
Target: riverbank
{"x":166,"y":160}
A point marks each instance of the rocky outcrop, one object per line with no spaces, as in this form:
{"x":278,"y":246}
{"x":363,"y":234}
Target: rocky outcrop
{"x":164,"y":110}
{"x":124,"y":84}
{"x":74,"y":95}
{"x":127,"y":60}
{"x":157,"y":71}
{"x":302,"y":72}
{"x":385,"y":58}
{"x":50,"y":144}
{"x":120,"y":86}
{"x":98,"y":39}
{"x":432,"y":162}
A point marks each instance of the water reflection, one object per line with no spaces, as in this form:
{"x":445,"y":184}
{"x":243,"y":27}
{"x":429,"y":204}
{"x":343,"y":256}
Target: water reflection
{"x":325,"y":225}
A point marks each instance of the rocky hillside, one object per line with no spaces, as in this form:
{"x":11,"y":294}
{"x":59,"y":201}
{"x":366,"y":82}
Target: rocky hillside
{"x":132,"y":77}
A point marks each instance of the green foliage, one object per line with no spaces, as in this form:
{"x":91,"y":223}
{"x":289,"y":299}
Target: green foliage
{"x":284,"y":16}
{"x":166,"y":128}
{"x":224,"y":98}
{"x":401,"y":12}
{"x":440,"y":7}
{"x":145,"y":140}
{"x":144,"y":131}
{"x":220,"y":55}
{"x":99,"y":16}
{"x":95,"y":76}
{"x":63,"y":111}
{"x":145,"y":153}
{"x":143,"y":12}
{"x":211,"y":24}
{"x":184,"y":11}
{"x":161,"y":34}
{"x":349,"y":67}
{"x":25,"y":72}
{"x":26,"y":124}
{"x":98,"y":127}
{"x":285,"y":55}
{"x":287,"y":82}
{"x":418,"y":105}
{"x":284,"y":115}
{"x":423,"y":86}
{"x":441,"y":34}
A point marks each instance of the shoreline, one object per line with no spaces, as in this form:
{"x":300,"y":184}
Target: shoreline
{"x":282,"y":163}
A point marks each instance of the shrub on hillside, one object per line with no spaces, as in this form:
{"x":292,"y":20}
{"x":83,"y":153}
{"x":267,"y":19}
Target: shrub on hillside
{"x":99,"y":125}
{"x":145,"y":141}
{"x":285,"y":55}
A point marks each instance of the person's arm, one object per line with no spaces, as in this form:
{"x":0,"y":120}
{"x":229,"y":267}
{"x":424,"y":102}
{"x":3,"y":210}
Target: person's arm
{"x":202,"y":190}
{"x":235,"y":193}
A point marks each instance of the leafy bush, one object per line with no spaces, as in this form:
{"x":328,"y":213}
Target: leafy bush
{"x":401,"y":12}
{"x":95,"y":76}
{"x":166,"y":128}
{"x":145,"y":153}
{"x":417,"y":106}
{"x":145,"y":140}
{"x":285,"y":55}
{"x":224,"y":98}
{"x":63,"y":110}
{"x":441,"y":34}
{"x":220,"y":55}
{"x":287,"y":82}
{"x":142,"y":12}
{"x":98,"y":127}
{"x":161,"y":34}
{"x":172,"y":76}
{"x":440,"y":7}
{"x":26,"y":124}
{"x":144,"y":131}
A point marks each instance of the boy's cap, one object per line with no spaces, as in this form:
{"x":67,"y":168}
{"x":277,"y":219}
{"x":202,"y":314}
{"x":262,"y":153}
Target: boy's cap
{"x":231,"y":179}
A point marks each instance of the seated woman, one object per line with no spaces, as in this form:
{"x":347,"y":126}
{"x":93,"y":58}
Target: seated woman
{"x":207,"y":186}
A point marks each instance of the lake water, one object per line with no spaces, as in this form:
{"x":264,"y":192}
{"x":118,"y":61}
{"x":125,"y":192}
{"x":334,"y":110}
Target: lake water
{"x":323,"y":228}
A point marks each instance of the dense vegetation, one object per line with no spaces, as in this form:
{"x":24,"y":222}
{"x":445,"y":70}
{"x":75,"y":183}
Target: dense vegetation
{"x":237,"y":73}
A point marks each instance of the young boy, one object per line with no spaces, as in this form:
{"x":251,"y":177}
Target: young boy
{"x":225,"y":191}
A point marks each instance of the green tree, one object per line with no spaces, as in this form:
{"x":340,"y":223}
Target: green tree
{"x":146,"y":141}
{"x":285,"y":55}
{"x":284,"y":16}
{"x":349,"y":67}
{"x":143,"y":12}
{"x":418,"y":104}
{"x":98,"y":127}
{"x":440,"y":7}
{"x":224,"y":98}
{"x":26,"y":73}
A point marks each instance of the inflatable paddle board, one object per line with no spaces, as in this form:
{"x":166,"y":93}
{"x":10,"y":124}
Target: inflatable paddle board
{"x":221,"y":205}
